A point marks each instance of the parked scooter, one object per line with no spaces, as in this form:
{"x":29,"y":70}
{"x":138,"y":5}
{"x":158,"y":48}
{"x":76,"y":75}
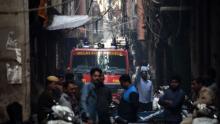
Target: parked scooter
{"x":62,"y":115}
{"x":151,"y":116}
{"x":157,"y":113}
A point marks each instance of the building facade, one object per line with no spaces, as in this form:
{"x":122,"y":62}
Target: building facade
{"x":14,"y":57}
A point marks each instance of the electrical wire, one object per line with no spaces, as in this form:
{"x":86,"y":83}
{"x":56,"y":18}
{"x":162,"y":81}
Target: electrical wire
{"x":114,"y":26}
{"x":99,"y":18}
{"x":77,"y":8}
{"x":123,"y":23}
{"x":148,"y":24}
{"x":27,"y":52}
{"x":180,"y":19}
{"x":151,"y":30}
{"x":89,"y":7}
{"x":34,"y":9}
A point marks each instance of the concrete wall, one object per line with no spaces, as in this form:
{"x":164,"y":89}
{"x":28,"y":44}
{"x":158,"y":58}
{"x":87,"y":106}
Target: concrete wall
{"x":14,"y":29}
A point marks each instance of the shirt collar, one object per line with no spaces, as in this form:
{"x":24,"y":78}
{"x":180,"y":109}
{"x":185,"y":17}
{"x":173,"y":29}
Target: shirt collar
{"x":144,"y":80}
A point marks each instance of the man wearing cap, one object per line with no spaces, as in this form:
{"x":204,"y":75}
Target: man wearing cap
{"x":48,"y":98}
{"x":145,"y":89}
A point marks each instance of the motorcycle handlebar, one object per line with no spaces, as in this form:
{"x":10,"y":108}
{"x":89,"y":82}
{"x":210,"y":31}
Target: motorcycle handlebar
{"x":120,"y":120}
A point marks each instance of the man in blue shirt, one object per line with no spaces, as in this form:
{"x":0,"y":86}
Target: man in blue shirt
{"x":89,"y":98}
{"x":145,"y":89}
{"x":129,"y":100}
{"x":95,"y":99}
{"x":172,"y":101}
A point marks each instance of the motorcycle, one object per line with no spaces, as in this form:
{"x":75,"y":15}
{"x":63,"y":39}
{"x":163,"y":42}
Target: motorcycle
{"x":115,"y":119}
{"x":158,"y":110}
{"x":143,"y":117}
{"x":157,"y":114}
{"x":62,"y":115}
{"x":205,"y":114}
{"x":151,"y":116}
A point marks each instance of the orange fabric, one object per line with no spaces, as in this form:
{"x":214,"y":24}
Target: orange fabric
{"x":42,"y":12}
{"x":140,"y":25}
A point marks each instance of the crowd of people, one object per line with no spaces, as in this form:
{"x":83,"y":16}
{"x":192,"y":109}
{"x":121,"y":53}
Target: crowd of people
{"x":92,"y":100}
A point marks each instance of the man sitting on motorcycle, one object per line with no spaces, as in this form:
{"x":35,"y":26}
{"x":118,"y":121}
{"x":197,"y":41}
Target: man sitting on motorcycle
{"x":200,"y":95}
{"x":196,"y":85}
{"x":172,"y":101}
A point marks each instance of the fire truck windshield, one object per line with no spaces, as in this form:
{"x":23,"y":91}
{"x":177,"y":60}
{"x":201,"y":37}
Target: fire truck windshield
{"x":108,"y":62}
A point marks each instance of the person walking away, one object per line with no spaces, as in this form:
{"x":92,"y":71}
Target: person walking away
{"x":128,"y":106}
{"x":48,"y":98}
{"x":172,"y":101}
{"x":145,"y":89}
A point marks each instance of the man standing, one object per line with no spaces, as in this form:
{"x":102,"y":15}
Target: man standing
{"x":69,"y":97}
{"x":104,"y":99}
{"x":128,"y":106}
{"x":145,"y":89}
{"x":95,"y":99}
{"x":48,"y":98}
{"x":172,"y":101}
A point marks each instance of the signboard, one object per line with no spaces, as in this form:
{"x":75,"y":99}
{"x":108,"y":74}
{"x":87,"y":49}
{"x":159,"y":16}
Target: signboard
{"x":114,"y":53}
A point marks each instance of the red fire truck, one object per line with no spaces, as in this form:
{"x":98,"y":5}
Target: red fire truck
{"x":113,"y":62}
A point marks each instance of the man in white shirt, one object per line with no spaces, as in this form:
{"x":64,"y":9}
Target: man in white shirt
{"x":145,"y":89}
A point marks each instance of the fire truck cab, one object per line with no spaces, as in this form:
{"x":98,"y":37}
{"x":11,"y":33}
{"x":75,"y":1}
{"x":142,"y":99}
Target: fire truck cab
{"x":113,"y":63}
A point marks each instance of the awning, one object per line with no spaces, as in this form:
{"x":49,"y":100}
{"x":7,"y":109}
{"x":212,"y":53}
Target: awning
{"x":64,"y":22}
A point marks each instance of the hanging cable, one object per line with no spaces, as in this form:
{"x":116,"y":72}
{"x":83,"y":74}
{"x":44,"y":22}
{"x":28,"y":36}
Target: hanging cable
{"x":99,"y":18}
{"x":148,"y":24}
{"x":151,"y":30}
{"x":77,"y":8}
{"x":180,"y":19}
{"x":89,"y":7}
